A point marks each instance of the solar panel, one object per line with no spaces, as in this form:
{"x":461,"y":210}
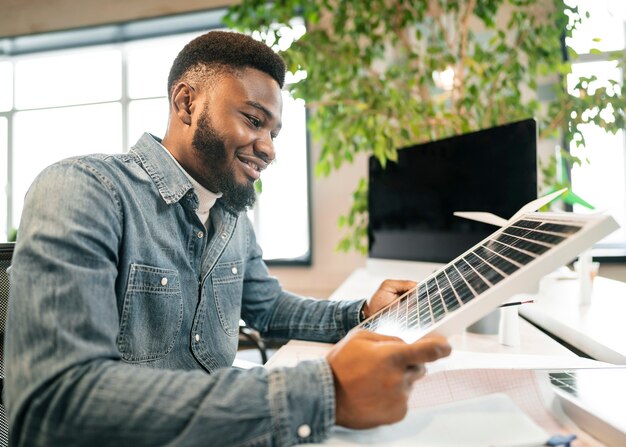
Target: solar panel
{"x":510,"y":261}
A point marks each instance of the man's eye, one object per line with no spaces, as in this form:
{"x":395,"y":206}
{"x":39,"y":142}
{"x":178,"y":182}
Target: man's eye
{"x":255,"y":121}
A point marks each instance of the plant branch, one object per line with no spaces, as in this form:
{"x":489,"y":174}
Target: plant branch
{"x":439,"y":15}
{"x":459,"y":78}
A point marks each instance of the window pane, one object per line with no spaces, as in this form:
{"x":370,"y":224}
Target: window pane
{"x":149,"y":64}
{"x":56,"y":96}
{"x":603,"y":71}
{"x":601,"y":182}
{"x":3,"y":178}
{"x":147,"y":115}
{"x":282,"y":219}
{"x":42,"y":137}
{"x":6,"y":86}
{"x":64,"y":78}
{"x":606,"y":23}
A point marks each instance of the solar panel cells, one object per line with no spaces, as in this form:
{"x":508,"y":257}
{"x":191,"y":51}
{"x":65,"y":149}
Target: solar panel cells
{"x":459,"y":283}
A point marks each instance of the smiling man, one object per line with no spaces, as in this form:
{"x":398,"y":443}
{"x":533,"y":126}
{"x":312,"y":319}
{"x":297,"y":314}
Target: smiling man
{"x":232,"y":137}
{"x":132,"y":271}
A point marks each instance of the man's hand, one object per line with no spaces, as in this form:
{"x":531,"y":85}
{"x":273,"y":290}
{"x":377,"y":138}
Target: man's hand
{"x":373,"y":375}
{"x":388,"y":291}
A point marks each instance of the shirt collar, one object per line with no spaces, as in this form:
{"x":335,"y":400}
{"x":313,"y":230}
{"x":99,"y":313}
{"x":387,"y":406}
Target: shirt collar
{"x":166,"y":175}
{"x":165,"y":172}
{"x":206,"y":197}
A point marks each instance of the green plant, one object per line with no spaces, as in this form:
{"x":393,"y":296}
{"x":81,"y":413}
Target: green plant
{"x":370,"y":67}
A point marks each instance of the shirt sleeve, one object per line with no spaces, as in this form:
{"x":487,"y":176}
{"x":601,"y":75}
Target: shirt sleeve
{"x":277,"y":313}
{"x":65,"y":381}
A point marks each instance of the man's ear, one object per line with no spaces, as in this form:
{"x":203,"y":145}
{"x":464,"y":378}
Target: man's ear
{"x":183,"y":101}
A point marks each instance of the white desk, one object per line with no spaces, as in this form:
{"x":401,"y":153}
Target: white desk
{"x":597,"y":329}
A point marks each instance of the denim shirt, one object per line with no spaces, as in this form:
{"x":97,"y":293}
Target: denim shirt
{"x":124,"y":316}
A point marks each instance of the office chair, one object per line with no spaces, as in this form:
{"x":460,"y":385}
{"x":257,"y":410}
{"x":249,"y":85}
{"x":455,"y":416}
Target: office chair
{"x":6,"y":252}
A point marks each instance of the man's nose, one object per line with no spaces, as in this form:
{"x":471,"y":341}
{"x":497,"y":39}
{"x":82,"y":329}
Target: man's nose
{"x":264,"y":148}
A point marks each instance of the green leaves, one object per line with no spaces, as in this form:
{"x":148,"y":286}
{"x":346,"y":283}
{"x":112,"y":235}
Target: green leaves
{"x":356,"y":221}
{"x":370,"y":83}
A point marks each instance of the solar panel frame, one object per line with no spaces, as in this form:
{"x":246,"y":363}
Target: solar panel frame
{"x":516,"y":276}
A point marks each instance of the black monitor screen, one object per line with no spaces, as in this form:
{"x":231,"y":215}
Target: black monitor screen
{"x":411,"y":202}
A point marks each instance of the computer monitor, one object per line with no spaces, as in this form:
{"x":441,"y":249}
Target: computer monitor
{"x":411,"y":202}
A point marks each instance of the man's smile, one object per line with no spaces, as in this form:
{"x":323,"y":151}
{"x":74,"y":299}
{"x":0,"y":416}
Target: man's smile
{"x":252,"y":165}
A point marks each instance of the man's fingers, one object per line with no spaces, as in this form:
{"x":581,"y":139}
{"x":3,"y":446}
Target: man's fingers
{"x":397,"y":286}
{"x":414,"y":372}
{"x":425,"y":350}
{"x":388,"y":291}
{"x":364,"y":360}
{"x":374,"y":336}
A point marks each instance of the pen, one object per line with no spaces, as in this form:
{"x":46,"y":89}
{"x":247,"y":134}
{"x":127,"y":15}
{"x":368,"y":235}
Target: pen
{"x":516,"y":303}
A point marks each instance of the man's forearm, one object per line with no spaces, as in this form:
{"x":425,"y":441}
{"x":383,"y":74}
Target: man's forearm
{"x":312,"y":319}
{"x":111,"y":403}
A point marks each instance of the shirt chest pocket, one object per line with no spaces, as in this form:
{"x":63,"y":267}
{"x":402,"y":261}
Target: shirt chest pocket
{"x":227,"y":279}
{"x":152,"y":314}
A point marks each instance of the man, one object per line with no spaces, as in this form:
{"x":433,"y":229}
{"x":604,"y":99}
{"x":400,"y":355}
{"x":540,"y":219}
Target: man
{"x":132,"y":271}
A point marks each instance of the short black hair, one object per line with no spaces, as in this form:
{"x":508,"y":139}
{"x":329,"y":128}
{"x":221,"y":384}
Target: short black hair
{"x":224,"y":51}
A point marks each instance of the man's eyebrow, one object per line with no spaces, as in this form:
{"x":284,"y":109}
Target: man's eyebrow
{"x":263,"y":109}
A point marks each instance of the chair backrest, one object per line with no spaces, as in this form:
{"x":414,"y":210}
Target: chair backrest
{"x":6,"y":252}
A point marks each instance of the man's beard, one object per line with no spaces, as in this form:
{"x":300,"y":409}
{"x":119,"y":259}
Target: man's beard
{"x":210,"y":147}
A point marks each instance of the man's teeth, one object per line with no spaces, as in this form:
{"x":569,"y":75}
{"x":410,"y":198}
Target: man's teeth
{"x":256,"y":168}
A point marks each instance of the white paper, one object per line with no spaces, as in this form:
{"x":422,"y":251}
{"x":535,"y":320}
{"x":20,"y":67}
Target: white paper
{"x":536,"y":204}
{"x":492,"y":219}
{"x":292,"y":354}
{"x":479,"y":422}
{"x":483,"y":217}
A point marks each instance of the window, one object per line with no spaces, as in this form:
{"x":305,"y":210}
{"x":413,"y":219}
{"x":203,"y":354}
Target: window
{"x":101,"y":91}
{"x":602,"y":181}
{"x":4,"y":171}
